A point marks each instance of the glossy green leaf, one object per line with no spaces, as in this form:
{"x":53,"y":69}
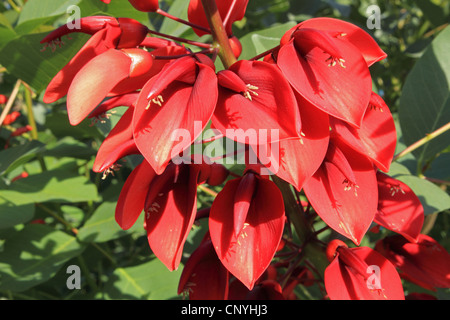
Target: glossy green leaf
{"x":15,"y":156}
{"x":150,"y":280}
{"x":425,"y":99}
{"x":34,"y":255}
{"x":55,"y":185}
{"x":102,"y":226}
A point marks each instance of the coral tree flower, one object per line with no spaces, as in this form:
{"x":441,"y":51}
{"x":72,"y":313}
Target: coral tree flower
{"x":170,"y":105}
{"x":204,"y":277}
{"x":254,"y":95}
{"x":377,"y":136}
{"x":424,"y":262}
{"x":327,"y":70}
{"x":344,"y":192}
{"x":360,"y":274}
{"x":108,"y":33}
{"x":169,"y":202}
{"x":399,"y":209}
{"x":246,"y":224}
{"x":230,"y":11}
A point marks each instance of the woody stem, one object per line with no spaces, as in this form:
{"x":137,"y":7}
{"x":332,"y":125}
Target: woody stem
{"x":220,"y":37}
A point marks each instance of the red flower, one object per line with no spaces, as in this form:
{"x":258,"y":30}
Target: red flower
{"x":169,"y":201}
{"x":344,"y":192}
{"x":3,"y":99}
{"x":204,"y":277}
{"x":230,"y":11}
{"x":360,"y":274}
{"x":424,"y":262}
{"x":11,"y":117}
{"x":327,"y":70}
{"x":179,"y":101}
{"x":246,"y":224}
{"x":296,"y":160}
{"x":399,"y":209}
{"x":107,"y":33}
{"x":254,"y":95}
{"x":377,"y":136}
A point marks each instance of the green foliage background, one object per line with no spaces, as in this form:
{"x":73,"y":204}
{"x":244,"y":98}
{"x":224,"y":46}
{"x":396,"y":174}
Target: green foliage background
{"x":77,"y":205}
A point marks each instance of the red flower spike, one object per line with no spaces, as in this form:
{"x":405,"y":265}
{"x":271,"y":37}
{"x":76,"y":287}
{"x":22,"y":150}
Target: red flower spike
{"x":204,"y":277}
{"x":118,"y":144}
{"x":349,"y":32}
{"x":329,"y":72}
{"x":172,"y":102}
{"x":296,"y":160}
{"x":96,"y":79}
{"x":254,"y":95}
{"x":133,"y":194}
{"x":145,"y":5}
{"x":377,"y":136}
{"x":344,"y":193}
{"x":399,"y":209}
{"x":424,"y":262}
{"x":230,"y":11}
{"x":248,"y":255}
{"x":361,"y":274}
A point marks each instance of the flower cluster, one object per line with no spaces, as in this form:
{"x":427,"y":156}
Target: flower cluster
{"x":335,"y":140}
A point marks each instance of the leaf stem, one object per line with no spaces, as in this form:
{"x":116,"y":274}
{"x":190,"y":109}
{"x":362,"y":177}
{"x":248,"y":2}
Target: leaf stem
{"x":190,"y":24}
{"x":422,"y":141}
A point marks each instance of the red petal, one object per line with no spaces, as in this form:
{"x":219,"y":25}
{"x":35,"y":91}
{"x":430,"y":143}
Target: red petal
{"x":342,"y":283}
{"x":96,"y":45}
{"x":425,"y":262}
{"x":117,"y":144}
{"x":272,"y":113}
{"x":248,"y":255}
{"x":348,"y":212}
{"x":399,"y":209}
{"x":296,"y":160}
{"x":132,"y":196}
{"x":234,"y":9}
{"x":170,"y":217}
{"x":341,"y":92}
{"x":204,"y":277}
{"x":377,"y":137}
{"x":183,"y":114}
{"x":94,"y":81}
{"x":368,"y":47}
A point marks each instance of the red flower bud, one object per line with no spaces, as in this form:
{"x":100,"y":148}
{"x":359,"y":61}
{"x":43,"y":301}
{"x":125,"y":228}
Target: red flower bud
{"x":145,"y":5}
{"x":12,"y":117}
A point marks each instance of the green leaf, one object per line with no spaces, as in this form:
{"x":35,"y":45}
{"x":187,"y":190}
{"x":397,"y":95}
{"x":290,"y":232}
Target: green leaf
{"x":425,"y":99}
{"x":433,"y":198}
{"x":169,"y":26}
{"x":102,"y":226}
{"x":257,"y":42}
{"x":12,"y":158}
{"x":150,"y":280}
{"x":24,"y":59}
{"x":34,"y":255}
{"x":55,"y":185}
{"x":44,"y":9}
{"x":12,"y":214}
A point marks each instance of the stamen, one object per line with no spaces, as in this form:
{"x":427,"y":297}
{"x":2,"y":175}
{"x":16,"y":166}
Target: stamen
{"x":158,"y":100}
{"x":335,"y":61}
{"x":349,"y":185}
{"x":250,"y":90}
{"x":396,"y":188}
{"x":114,"y":167}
